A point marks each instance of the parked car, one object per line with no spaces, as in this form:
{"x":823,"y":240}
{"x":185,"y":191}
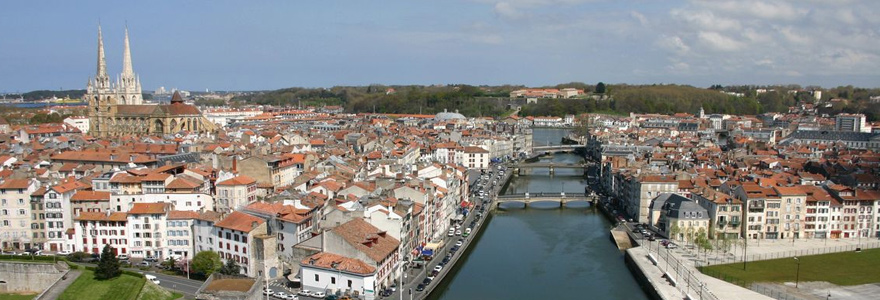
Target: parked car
{"x":671,"y":246}
{"x":150,"y":259}
{"x":144,"y":264}
{"x":458,"y":232}
{"x":420,"y":287}
{"x":459,"y":243}
{"x":122,"y":257}
{"x":318,"y":294}
{"x":438,"y":268}
{"x":451,"y":232}
{"x":152,"y":278}
{"x":281,"y":295}
{"x":268,"y":292}
{"x":305,"y":293}
{"x":64,"y":253}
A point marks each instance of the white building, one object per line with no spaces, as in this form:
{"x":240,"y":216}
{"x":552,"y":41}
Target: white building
{"x":79,"y":122}
{"x":473,"y":158}
{"x":147,"y":223}
{"x":94,"y":230}
{"x":15,"y":212}
{"x":331,"y":272}
{"x":179,"y":235}
{"x":236,"y":240}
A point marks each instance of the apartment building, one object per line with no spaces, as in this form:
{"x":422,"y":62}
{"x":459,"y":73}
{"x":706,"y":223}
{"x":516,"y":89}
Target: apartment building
{"x":179,"y":234}
{"x":236,"y":192}
{"x":147,"y":222}
{"x":94,"y":230}
{"x":236,"y":240}
{"x":793,"y":201}
{"x":15,"y":213}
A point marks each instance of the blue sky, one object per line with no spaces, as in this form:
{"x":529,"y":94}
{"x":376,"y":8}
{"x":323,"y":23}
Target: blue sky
{"x":226,"y":45}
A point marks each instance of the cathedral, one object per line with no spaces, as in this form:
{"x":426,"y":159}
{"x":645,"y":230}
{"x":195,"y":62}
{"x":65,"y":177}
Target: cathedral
{"x":117,"y":109}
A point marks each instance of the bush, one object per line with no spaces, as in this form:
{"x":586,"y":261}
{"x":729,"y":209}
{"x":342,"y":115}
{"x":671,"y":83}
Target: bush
{"x":78,"y":256}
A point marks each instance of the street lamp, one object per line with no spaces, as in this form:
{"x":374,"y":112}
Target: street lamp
{"x":797,"y":277}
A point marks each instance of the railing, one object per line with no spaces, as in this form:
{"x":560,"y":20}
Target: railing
{"x":684,"y":277}
{"x":717,"y":257}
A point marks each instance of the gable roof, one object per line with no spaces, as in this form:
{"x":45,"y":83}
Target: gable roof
{"x":366,"y":238}
{"x":239,"y":221}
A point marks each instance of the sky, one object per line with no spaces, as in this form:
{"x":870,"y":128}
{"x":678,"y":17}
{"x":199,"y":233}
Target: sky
{"x":261,"y":45}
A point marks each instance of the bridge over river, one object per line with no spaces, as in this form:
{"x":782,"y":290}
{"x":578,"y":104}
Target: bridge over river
{"x":561,"y":198}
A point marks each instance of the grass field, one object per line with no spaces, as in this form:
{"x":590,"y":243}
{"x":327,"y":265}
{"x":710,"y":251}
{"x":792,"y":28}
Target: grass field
{"x":17,"y":297}
{"x":86,"y":287}
{"x":845,"y":268}
{"x":154,"y":292}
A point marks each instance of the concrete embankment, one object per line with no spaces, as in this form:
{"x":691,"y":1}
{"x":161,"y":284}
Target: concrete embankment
{"x":21,"y":277}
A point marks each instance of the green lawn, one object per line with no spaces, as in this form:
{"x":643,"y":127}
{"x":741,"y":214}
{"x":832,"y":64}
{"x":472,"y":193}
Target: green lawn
{"x":154,"y":292}
{"x":846,"y":268}
{"x":17,"y":297}
{"x":86,"y":287}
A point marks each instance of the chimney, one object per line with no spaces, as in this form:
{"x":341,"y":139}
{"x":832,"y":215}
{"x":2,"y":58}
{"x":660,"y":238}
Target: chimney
{"x":253,"y":225}
{"x":234,"y":164}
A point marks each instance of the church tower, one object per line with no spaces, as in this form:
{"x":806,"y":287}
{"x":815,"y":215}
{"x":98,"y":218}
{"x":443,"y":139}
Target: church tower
{"x":99,"y":93}
{"x":128,"y":83}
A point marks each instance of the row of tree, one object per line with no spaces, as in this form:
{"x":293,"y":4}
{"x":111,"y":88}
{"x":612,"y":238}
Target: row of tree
{"x":204,"y":263}
{"x":601,"y":98}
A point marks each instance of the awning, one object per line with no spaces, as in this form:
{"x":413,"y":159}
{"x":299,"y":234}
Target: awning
{"x":433,"y":246}
{"x":428,"y":252}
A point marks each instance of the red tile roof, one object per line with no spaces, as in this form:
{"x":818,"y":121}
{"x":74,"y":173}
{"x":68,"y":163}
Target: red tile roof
{"x":239,"y":221}
{"x":14,"y":184}
{"x":149,"y":208}
{"x":376,"y":244}
{"x":182,"y":215}
{"x":335,"y":262}
{"x":238,"y":180}
{"x":90,"y":196}
{"x":100,"y":216}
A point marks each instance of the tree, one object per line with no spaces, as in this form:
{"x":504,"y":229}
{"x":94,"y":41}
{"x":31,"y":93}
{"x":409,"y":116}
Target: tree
{"x":206,"y":262}
{"x":230,"y":268}
{"x":702,"y":239}
{"x":674,"y":231}
{"x":108,"y":267}
{"x":169,"y":263}
{"x":600,"y":88}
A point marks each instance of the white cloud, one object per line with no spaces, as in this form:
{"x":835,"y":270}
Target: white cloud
{"x":718,"y":41}
{"x":639,"y":17}
{"x":507,"y":10}
{"x":673,"y":44}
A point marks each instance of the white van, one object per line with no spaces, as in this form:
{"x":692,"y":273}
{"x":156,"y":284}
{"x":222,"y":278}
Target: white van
{"x":152,"y":279}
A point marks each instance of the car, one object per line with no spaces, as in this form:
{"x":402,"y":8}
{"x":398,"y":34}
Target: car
{"x":150,"y":259}
{"x":651,"y":238}
{"x":393,"y":287}
{"x":152,"y":279}
{"x":427,"y":281}
{"x":451,"y":232}
{"x":268,"y":292}
{"x":122,"y":257}
{"x":144,"y":264}
{"x":459,"y":243}
{"x":64,"y":253}
{"x":281,"y":295}
{"x":445,"y":260}
{"x":318,"y":294}
{"x":420,"y":287}
{"x":458,"y":232}
{"x":307,"y":293}
{"x":467,"y":231}
{"x":438,"y":268}
{"x":671,"y":246}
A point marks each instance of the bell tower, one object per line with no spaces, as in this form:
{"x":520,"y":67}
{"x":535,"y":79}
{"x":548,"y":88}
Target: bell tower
{"x":99,"y":94}
{"x":129,"y":84}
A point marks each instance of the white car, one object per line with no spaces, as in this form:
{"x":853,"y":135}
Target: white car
{"x":268,"y":293}
{"x":281,"y":295}
{"x":451,"y":232}
{"x":458,"y":232}
{"x":319,"y":295}
{"x":152,"y":279}
{"x":304,"y":293}
{"x":64,"y":253}
{"x":459,"y":243}
{"x":438,"y":268}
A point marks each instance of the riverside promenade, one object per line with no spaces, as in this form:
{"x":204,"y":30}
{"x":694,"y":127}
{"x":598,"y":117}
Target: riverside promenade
{"x":414,"y":277}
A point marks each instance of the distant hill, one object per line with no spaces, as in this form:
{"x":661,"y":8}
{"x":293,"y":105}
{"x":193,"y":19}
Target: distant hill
{"x":44,"y":94}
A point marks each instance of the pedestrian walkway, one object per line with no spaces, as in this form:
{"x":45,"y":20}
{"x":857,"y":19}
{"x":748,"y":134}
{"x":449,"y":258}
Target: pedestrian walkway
{"x":58,"y":288}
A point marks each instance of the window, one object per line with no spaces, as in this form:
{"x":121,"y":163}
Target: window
{"x":332,"y":280}
{"x":317,"y":278}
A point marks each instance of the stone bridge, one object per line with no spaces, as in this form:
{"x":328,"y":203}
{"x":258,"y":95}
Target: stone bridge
{"x":561,"y":198}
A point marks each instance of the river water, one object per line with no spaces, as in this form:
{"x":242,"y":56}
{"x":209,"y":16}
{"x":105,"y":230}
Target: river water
{"x":543,"y":253}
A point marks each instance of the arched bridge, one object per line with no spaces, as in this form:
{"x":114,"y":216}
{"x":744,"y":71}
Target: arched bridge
{"x":556,"y":147}
{"x":550,"y":165}
{"x":561,"y":198}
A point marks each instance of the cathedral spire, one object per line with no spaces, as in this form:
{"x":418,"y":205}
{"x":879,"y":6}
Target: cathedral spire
{"x":127,"y":71}
{"x":102,"y":63}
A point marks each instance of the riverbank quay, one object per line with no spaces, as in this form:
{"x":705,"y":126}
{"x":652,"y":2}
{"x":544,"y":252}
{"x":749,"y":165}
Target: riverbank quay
{"x":480,"y":215}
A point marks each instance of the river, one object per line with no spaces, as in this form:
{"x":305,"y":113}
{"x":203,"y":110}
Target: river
{"x":539,"y":253}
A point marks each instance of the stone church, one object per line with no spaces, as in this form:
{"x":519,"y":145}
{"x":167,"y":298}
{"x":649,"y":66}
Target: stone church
{"x":117,"y":109}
